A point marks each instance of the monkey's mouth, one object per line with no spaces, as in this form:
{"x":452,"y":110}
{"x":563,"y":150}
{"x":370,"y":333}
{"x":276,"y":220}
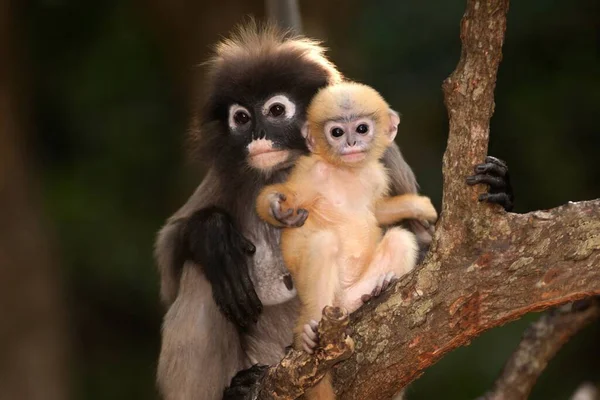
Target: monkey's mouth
{"x":268,"y":159}
{"x":264,"y":156}
{"x":354,"y":156}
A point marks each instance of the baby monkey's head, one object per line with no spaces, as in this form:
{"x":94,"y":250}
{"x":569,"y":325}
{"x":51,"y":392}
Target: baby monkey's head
{"x":349,"y":124}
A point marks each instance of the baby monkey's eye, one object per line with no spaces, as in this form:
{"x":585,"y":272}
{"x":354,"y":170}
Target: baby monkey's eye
{"x":241,"y":118}
{"x":362,"y":129}
{"x":277,"y":110}
{"x":337,"y":132}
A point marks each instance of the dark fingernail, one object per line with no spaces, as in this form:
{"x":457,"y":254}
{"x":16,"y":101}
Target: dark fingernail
{"x":287,"y":280}
{"x":483,"y":197}
{"x":480,"y":168}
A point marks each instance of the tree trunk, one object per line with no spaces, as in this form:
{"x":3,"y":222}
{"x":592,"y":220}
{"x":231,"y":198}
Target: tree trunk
{"x":33,"y":347}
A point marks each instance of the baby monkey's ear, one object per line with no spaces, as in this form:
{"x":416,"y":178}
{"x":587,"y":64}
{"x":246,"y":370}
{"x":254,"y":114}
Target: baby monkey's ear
{"x":310,"y":141}
{"x":394,"y":122}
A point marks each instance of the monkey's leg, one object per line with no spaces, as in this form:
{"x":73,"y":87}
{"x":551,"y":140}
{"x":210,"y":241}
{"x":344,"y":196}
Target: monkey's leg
{"x":277,"y":205}
{"x":200,"y":350}
{"x":390,"y":210}
{"x":395,"y":256}
{"x":317,"y":283}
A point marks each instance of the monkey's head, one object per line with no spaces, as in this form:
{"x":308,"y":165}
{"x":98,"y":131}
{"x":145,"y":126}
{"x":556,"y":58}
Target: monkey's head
{"x":349,"y":124}
{"x":260,"y":82}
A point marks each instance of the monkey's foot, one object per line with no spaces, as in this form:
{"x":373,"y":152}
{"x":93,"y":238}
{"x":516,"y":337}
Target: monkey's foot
{"x":428,"y":212}
{"x":383,"y":283}
{"x":245,"y":384}
{"x":310,"y":336}
{"x":285,"y":214}
{"x":494,"y":172}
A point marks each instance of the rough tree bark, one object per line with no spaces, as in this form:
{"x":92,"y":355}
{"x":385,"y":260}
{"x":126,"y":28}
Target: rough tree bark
{"x":486,"y":267}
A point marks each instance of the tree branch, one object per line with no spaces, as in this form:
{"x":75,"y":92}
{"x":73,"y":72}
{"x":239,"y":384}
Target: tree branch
{"x":298,"y":371}
{"x":485,"y":267}
{"x":540,"y":343}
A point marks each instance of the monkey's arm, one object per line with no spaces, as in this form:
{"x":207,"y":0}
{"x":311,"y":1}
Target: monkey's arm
{"x":403,"y":181}
{"x":278,"y":205}
{"x":208,"y":236}
{"x":391,"y":210}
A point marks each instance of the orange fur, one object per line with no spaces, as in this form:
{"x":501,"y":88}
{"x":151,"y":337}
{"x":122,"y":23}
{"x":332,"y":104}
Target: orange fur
{"x":340,"y":251}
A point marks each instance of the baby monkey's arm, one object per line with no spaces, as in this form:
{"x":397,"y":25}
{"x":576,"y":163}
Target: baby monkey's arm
{"x":390,"y":210}
{"x":278,"y":205}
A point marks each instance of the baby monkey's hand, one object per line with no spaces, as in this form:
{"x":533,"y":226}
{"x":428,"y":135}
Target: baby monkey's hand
{"x":284,"y":214}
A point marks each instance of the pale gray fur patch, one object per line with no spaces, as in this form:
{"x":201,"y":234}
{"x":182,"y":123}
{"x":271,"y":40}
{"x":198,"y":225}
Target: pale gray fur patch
{"x":201,"y":349}
{"x":268,"y":269}
{"x":274,"y":331}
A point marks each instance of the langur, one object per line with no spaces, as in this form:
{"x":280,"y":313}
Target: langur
{"x":230,"y":301}
{"x":334,"y":203}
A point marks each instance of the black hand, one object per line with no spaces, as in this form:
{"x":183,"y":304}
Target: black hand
{"x":245,"y":384}
{"x":213,"y":241}
{"x":494,"y":172}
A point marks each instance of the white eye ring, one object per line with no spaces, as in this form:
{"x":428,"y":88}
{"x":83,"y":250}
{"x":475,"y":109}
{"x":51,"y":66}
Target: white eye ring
{"x":290,"y":108}
{"x":232,"y":111}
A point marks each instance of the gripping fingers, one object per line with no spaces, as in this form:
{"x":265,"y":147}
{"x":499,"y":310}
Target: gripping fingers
{"x":310,"y":337}
{"x":286,"y":217}
{"x":299,"y":219}
{"x":381,"y":285}
{"x":244,"y":384}
{"x":494,"y":181}
{"x":502,"y":199}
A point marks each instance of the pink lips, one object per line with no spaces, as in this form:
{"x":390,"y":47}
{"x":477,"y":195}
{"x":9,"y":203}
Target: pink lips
{"x":354,"y":156}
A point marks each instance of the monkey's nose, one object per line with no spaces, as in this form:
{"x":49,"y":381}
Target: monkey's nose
{"x":262,"y":134}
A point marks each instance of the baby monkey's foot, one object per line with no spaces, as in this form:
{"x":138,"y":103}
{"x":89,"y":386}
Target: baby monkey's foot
{"x":310,"y":336}
{"x":427,"y":210}
{"x":285,"y":214}
{"x":383,"y":283}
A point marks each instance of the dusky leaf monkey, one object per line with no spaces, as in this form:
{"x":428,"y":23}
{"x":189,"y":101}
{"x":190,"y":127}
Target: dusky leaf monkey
{"x":231,"y":303}
{"x":334,"y":203}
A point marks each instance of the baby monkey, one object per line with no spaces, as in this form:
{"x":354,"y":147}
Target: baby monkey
{"x":335,"y":201}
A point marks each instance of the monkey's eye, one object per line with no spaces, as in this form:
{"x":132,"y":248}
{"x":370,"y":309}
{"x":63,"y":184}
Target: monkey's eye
{"x":241,"y":118}
{"x":277,"y":110}
{"x":337,"y":132}
{"x":279,"y":107}
{"x":362,"y":129}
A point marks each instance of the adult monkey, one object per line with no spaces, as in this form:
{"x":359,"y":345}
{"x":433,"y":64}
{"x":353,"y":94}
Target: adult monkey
{"x":218,"y":262}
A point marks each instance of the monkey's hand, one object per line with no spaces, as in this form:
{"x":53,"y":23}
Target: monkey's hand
{"x":494,"y":173}
{"x":284,"y":214}
{"x":245,"y":384}
{"x":310,"y":336}
{"x":214,"y":242}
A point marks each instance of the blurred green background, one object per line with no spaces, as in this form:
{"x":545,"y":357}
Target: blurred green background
{"x":104,"y":91}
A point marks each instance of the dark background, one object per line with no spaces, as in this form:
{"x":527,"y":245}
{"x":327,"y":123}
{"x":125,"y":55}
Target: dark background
{"x":102,"y":92}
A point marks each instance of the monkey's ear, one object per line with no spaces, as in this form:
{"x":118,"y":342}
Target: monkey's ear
{"x":394,"y":122}
{"x":310,"y":142}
